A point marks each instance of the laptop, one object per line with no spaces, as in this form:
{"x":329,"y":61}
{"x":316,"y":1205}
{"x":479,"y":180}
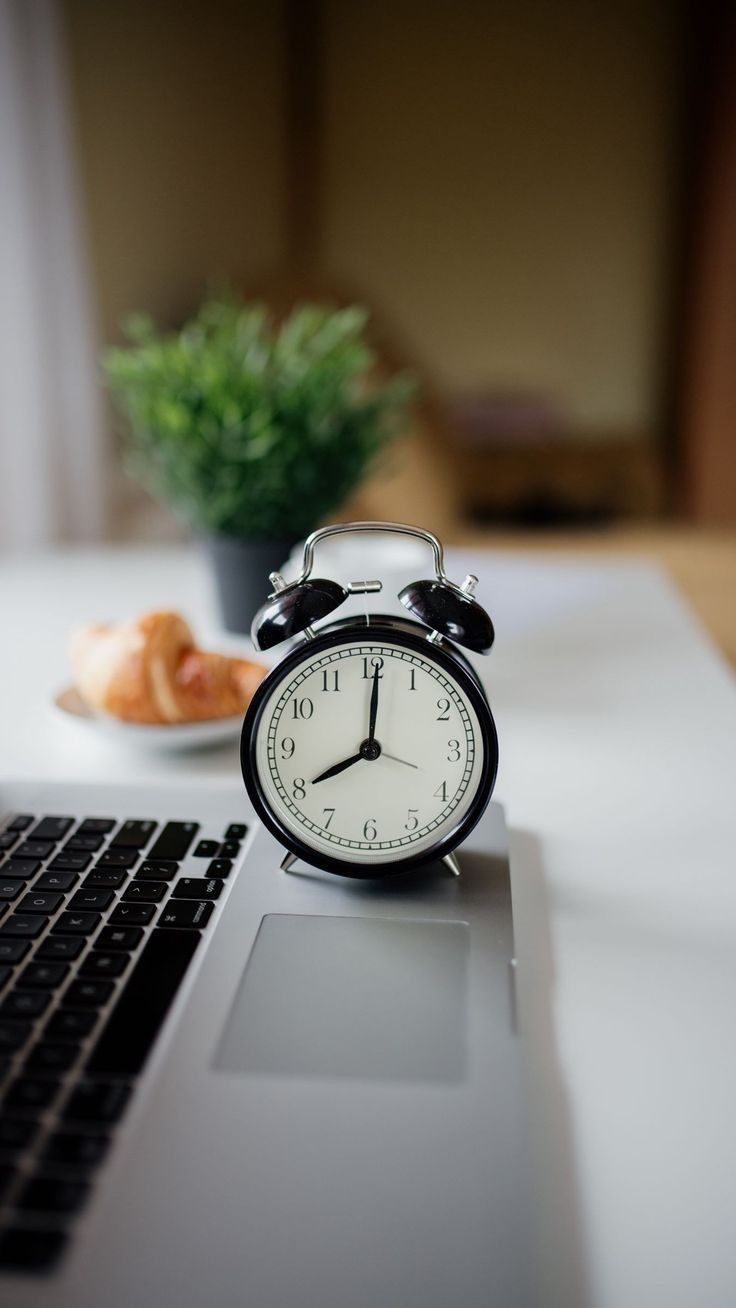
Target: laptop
{"x":226,"y":1084}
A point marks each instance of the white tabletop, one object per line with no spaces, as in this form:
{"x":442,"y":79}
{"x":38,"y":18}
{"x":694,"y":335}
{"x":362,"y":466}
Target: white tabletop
{"x":617,"y":726}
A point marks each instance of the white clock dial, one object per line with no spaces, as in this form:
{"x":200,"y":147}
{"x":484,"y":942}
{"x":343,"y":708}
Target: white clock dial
{"x":427,"y":744}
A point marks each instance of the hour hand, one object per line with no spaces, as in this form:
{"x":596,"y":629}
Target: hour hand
{"x":337,"y":767}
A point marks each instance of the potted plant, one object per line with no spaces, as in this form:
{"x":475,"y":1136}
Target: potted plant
{"x":253,"y":431}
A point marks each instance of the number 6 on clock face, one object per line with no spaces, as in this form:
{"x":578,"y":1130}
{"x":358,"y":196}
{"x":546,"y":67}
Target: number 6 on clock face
{"x":369,"y":751}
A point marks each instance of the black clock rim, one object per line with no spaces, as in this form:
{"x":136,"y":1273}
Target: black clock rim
{"x":398,"y":631}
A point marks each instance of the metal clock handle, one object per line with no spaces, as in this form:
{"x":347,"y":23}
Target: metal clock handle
{"x":396,"y":528}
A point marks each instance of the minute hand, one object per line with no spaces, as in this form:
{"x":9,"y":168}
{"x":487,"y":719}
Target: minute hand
{"x":374,"y":705}
{"x":337,"y":767}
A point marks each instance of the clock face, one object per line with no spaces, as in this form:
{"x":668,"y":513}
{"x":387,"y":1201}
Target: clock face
{"x":370,"y":752}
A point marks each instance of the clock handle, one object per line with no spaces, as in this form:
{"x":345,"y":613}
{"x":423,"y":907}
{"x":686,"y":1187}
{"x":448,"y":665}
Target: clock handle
{"x":345,"y":528}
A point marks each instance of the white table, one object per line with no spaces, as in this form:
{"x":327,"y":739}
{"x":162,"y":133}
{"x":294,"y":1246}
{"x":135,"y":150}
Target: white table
{"x":617,"y":723}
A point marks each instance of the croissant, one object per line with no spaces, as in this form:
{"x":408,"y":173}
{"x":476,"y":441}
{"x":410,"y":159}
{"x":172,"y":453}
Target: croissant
{"x":151,"y":671}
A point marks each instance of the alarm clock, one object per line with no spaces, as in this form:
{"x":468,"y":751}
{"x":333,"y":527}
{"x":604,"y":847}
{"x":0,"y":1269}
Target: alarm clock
{"x":370,"y":748}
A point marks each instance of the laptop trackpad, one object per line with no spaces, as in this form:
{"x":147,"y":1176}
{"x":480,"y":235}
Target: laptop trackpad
{"x":361,"y":997}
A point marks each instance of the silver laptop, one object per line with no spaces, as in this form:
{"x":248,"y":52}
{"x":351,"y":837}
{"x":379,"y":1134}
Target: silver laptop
{"x":225,"y":1084}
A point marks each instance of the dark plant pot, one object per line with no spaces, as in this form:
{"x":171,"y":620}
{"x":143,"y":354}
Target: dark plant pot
{"x":241,"y":567}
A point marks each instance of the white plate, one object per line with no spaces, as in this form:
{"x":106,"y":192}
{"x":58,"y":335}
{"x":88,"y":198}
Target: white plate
{"x":184,"y":735}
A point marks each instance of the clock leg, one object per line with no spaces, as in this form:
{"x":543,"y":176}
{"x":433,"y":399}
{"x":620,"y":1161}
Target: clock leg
{"x":449,"y":861}
{"x":288,"y":862}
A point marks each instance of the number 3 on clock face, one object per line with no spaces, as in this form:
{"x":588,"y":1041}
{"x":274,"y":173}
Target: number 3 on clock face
{"x":367,"y":752}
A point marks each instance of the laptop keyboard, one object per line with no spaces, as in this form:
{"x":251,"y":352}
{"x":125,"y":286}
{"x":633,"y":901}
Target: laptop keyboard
{"x":97,"y":929}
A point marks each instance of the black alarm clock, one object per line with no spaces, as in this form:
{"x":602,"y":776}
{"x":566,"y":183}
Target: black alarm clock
{"x":370,"y":748}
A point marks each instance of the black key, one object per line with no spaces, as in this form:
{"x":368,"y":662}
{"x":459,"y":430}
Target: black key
{"x":117,"y":858}
{"x":16,"y":1134}
{"x":8,"y":839}
{"x":5,"y":975}
{"x":3,"y":910}
{"x":34,"y":849}
{"x":43,"y":976}
{"x":88,"y":844}
{"x":88,"y":994}
{"x":56,"y":881}
{"x":52,"y":828}
{"x":146,"y":892}
{"x":21,"y":822}
{"x":20,"y":867}
{"x":133,"y":834}
{"x":60,"y":947}
{"x":7,"y":1177}
{"x":220,"y":867}
{"x":43,"y":903}
{"x":11,"y":888}
{"x":174,"y":840}
{"x":132,"y":914}
{"x":25,"y":1003}
{"x":207,"y":849}
{"x":76,"y":924}
{"x":185,"y":913}
{"x":156,"y":870}
{"x":68,"y":1024}
{"x":24,"y":924}
{"x":96,"y":826}
{"x":229,"y":849}
{"x":197,"y":888}
{"x":91,"y":900}
{"x":30,"y":1249}
{"x":97,"y":1101}
{"x":236,"y":831}
{"x":27,"y":1094}
{"x":70,"y":861}
{"x":112,"y":937}
{"x":110,"y":880}
{"x":12,"y":951}
{"x":134,"y":1022}
{"x":99,"y":963}
{"x":13,"y":1035}
{"x":45,"y":1057}
{"x":69,"y":1149}
{"x":51,"y":1194}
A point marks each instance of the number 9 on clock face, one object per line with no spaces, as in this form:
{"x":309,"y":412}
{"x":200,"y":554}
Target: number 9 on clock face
{"x":370,"y":752}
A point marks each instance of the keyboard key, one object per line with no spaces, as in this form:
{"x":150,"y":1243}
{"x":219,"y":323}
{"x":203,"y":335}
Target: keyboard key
{"x":52,"y":828}
{"x":11,"y":887}
{"x":88,"y":994}
{"x":117,"y":858}
{"x":12,"y":951}
{"x":185,"y":913}
{"x":132,"y":914}
{"x":13,"y":1035}
{"x":88,"y":844}
{"x":76,"y":924}
{"x":46,"y":1057}
{"x":96,"y":827}
{"x":56,"y":881}
{"x":23,"y":924}
{"x":207,"y":849}
{"x":34,"y":849}
{"x":70,"y":861}
{"x":52,"y":1194}
{"x":99,"y":963}
{"x":25,"y":1004}
{"x":5,"y":975}
{"x":133,"y":834}
{"x":20,"y":867}
{"x":97,"y":1101}
{"x":21,"y":822}
{"x":72,"y":1149}
{"x":59,"y":947}
{"x":69,"y":1024}
{"x":147,"y":892}
{"x":16,"y":1134}
{"x":30,"y":1094}
{"x":30,"y":1249}
{"x":91,"y":900}
{"x":156,"y":870}
{"x":229,"y":849}
{"x":144,"y":1002}
{"x":174,"y":840}
{"x":197,"y":888}
{"x":112,"y":937}
{"x":220,"y":867}
{"x":109,"y":880}
{"x":43,"y":976}
{"x":43,"y":903}
{"x":236,"y":831}
{"x":8,"y":839}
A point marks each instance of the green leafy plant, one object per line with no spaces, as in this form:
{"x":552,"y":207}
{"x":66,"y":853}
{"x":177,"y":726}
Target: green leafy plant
{"x":248,"y":428}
